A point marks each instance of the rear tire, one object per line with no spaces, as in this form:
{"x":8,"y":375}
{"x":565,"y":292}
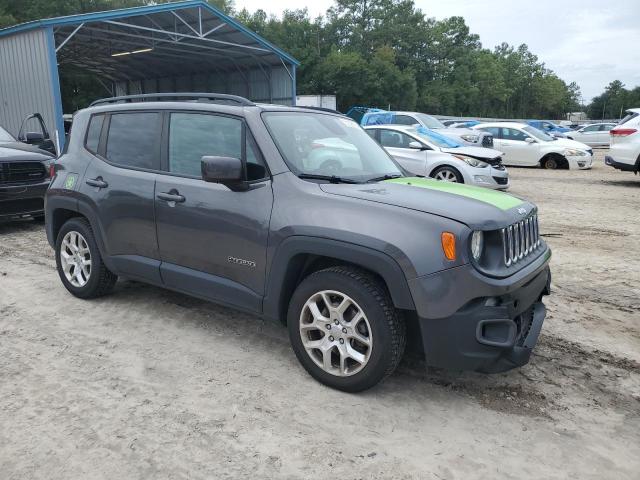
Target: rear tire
{"x":355,"y":342}
{"x":79,"y":262}
{"x":447,"y":174}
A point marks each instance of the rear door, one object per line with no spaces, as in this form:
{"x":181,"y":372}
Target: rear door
{"x":517,"y":151}
{"x":591,"y":135}
{"x":212,"y":240}
{"x":397,"y":144}
{"x":119,"y":186}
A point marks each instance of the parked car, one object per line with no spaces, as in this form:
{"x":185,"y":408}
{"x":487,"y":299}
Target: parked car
{"x":624,"y":151}
{"x":24,"y":178}
{"x":464,"y":124}
{"x":524,"y":145}
{"x":594,"y":135}
{"x":550,"y":128}
{"x":427,"y":153}
{"x":215,"y":200}
{"x":464,"y":136}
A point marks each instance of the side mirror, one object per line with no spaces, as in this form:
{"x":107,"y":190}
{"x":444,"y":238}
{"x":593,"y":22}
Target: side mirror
{"x":416,"y":146}
{"x":225,"y":170}
{"x":33,"y":138}
{"x":529,"y":140}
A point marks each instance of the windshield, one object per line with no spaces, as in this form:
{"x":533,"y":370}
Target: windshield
{"x":327,"y":145}
{"x":435,"y":138}
{"x":539,"y":134}
{"x":6,"y":136}
{"x":429,"y":121}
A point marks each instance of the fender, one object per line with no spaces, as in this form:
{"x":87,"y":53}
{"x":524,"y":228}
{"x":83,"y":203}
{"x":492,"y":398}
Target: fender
{"x":82,"y":207}
{"x":290,"y":256}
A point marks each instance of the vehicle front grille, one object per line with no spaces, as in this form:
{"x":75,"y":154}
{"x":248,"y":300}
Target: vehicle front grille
{"x":520,"y":239}
{"x":501,"y":180}
{"x":487,"y":141}
{"x":22,"y":172}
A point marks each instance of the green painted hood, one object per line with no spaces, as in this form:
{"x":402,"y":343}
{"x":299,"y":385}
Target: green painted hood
{"x":501,"y":200}
{"x":476,"y":207}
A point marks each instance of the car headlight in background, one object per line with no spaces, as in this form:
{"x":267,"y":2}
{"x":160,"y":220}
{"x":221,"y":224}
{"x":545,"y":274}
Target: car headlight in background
{"x":468,"y":137}
{"x":472,"y":162}
{"x":573,"y":152}
{"x":477,"y":244}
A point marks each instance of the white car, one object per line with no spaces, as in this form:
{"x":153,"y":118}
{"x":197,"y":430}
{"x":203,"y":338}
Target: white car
{"x":624,"y":152}
{"x":526,"y":146}
{"x":424,"y":152}
{"x":595,"y":135}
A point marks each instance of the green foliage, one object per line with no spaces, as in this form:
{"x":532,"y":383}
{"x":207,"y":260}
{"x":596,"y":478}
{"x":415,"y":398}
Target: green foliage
{"x":614,"y":101}
{"x":386,"y":53}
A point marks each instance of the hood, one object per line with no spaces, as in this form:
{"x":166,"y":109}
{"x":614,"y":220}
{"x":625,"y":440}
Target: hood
{"x":12,"y":151}
{"x":480,"y":153}
{"x":565,"y":142}
{"x":476,"y":207}
{"x":459,"y":131}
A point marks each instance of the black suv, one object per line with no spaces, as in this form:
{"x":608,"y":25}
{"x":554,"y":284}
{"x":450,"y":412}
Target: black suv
{"x":24,"y":177}
{"x":299,"y":216}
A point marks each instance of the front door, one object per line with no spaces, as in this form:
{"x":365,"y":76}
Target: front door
{"x":397,"y":144}
{"x":119,"y":187}
{"x":212,"y":240}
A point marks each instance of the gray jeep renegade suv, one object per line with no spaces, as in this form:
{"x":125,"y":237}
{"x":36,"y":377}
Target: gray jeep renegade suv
{"x":299,"y":216}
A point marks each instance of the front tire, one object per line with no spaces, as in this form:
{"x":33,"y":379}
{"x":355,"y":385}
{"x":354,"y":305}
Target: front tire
{"x":447,"y":174}
{"x":344,"y":328}
{"x":79,"y":263}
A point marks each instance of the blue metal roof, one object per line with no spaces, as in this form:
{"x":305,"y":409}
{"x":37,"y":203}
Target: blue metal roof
{"x":145,"y":10}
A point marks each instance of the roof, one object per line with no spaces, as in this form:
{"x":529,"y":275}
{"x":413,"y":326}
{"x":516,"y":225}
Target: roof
{"x":209,"y":20}
{"x":501,"y":124}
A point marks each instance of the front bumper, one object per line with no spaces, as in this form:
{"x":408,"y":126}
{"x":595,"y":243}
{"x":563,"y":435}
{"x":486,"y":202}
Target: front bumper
{"x":625,"y":167}
{"x":582,"y":162}
{"x":17,"y":201}
{"x":488,"y":177}
{"x":493,"y":332}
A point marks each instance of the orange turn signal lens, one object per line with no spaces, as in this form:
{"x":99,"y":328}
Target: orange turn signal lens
{"x":449,"y":245}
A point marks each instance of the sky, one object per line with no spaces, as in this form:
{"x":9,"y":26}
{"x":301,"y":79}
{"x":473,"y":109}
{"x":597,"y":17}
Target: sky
{"x":591,"y":42}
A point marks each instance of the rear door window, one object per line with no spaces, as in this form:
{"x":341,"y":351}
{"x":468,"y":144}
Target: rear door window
{"x":134,"y":140}
{"x":393,"y":139}
{"x":495,"y":131}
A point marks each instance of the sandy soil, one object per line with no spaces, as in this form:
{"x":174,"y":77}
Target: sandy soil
{"x":150,"y":384}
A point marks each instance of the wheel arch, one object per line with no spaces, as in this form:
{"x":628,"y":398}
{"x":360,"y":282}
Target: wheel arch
{"x":60,"y":209}
{"x":297,"y":257}
{"x":562,"y":160}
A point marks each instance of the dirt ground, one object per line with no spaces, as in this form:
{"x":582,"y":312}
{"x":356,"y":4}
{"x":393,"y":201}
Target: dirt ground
{"x":151,"y":384}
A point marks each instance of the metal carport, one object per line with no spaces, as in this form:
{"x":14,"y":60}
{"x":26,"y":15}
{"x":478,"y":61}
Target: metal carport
{"x":187,"y":46}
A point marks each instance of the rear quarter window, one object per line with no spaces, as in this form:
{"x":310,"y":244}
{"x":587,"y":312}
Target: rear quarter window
{"x":93,"y":133}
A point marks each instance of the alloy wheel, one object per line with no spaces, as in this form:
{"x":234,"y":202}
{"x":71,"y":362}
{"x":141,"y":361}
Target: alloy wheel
{"x":335,"y":333}
{"x":75,"y":259}
{"x":446,"y":176}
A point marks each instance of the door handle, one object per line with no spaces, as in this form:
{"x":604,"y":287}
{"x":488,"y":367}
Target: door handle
{"x":172,"y":196}
{"x":97,"y":182}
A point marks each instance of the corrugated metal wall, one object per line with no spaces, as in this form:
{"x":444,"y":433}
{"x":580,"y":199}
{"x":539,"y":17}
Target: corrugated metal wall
{"x":25,"y":80}
{"x":252,"y":84}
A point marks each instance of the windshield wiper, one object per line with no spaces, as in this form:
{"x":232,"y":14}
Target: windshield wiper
{"x":385,"y":177}
{"x":329,"y":178}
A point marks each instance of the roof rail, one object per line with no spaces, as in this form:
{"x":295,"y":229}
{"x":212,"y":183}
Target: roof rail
{"x":176,"y":96}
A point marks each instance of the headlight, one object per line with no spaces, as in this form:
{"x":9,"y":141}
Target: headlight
{"x":477,"y":244}
{"x":572,"y":152}
{"x":472,"y":162}
{"x":470,"y":138}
